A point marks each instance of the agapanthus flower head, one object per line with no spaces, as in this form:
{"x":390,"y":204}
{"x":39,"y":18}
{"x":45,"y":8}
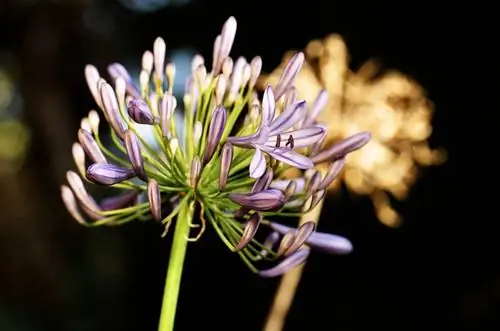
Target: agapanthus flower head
{"x":229,"y":171}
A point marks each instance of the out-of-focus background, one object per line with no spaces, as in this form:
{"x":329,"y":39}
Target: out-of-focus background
{"x":433,"y":272}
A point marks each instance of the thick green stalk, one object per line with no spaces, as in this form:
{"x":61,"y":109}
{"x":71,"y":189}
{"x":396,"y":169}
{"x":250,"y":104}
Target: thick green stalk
{"x":175,"y":265}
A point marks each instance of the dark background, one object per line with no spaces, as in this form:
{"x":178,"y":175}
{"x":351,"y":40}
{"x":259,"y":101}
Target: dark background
{"x":433,"y":273}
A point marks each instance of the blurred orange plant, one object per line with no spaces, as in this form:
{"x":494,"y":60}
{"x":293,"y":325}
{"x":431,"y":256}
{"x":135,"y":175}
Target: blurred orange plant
{"x":390,"y":105}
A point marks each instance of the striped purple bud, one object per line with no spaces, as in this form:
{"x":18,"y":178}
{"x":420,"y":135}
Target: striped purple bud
{"x":342,"y":148}
{"x":333,"y":171}
{"x":108,"y":174}
{"x":215,"y":131}
{"x":287,"y":264}
{"x":225,"y":164}
{"x":154,"y":198}
{"x":267,"y":200}
{"x":91,"y":147}
{"x":249,"y":232}
{"x":133,"y":147}
{"x":139,"y":111}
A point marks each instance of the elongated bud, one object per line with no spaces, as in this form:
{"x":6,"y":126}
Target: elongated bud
{"x":342,"y":148}
{"x":318,"y":105}
{"x":303,"y":233}
{"x":289,"y":73}
{"x":290,"y":189}
{"x":79,"y":158}
{"x":117,"y":70}
{"x":215,"y":131}
{"x":267,"y":200}
{"x":159,"y":50}
{"x":197,"y":131}
{"x":263,"y":182}
{"x":249,"y":232}
{"x":108,"y":174}
{"x":69,"y":201}
{"x":147,"y":62}
{"x":85,"y":125}
{"x":94,"y":121}
{"x":333,"y":171}
{"x":92,"y":77}
{"x":227,"y":67}
{"x":139,"y":111}
{"x":133,"y":147}
{"x":314,"y":200}
{"x":154,"y":199}
{"x":313,"y":184}
{"x":91,"y":147}
{"x":286,"y":243}
{"x":170,"y":73}
{"x":119,"y":201}
{"x":112,"y":110}
{"x":76,"y":184}
{"x":197,"y":61}
{"x":166,"y":109}
{"x":287,"y":264}
{"x":255,"y":68}
{"x":194,"y":171}
{"x":224,"y":44}
{"x":225,"y":164}
{"x":237,"y":76}
{"x":220,"y":89}
{"x":329,"y":243}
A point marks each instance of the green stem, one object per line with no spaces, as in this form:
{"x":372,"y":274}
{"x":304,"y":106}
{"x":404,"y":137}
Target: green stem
{"x":175,"y":265}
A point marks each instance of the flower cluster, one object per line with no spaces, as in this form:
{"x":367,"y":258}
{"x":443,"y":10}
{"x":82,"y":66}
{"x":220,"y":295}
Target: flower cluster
{"x":228,"y":164}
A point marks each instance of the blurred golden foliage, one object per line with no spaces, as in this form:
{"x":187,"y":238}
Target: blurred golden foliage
{"x":390,"y":105}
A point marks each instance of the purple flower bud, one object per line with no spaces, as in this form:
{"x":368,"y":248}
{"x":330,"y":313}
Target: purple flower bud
{"x":108,"y":174}
{"x":217,"y":125}
{"x":263,"y":182}
{"x":225,"y":164}
{"x":325,"y":242}
{"x":303,"y":233}
{"x":139,"y":111}
{"x":249,"y":232}
{"x":71,"y":205}
{"x":313,"y":184}
{"x":342,"y":148}
{"x":117,"y":70}
{"x":267,"y":200}
{"x":318,"y":105}
{"x":194,"y":171}
{"x":286,"y":243}
{"x":333,"y":171}
{"x":91,"y":147}
{"x":289,"y":73}
{"x":119,"y":201}
{"x":287,"y":264}
{"x":154,"y":198}
{"x":133,"y":147}
{"x":112,"y":109}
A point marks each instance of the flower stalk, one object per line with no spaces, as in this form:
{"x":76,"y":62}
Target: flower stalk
{"x":175,"y":266}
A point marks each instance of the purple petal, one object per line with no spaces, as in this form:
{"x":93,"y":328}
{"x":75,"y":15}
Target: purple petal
{"x":289,"y":117}
{"x":139,"y":111}
{"x":283,"y":183}
{"x":301,"y":137}
{"x":343,"y":148}
{"x":267,"y":200}
{"x":289,"y":157}
{"x":108,"y":174}
{"x":287,"y":264}
{"x":328,"y":243}
{"x":263,"y":182}
{"x":245,"y":141}
{"x":268,"y":106}
{"x":258,"y":164}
